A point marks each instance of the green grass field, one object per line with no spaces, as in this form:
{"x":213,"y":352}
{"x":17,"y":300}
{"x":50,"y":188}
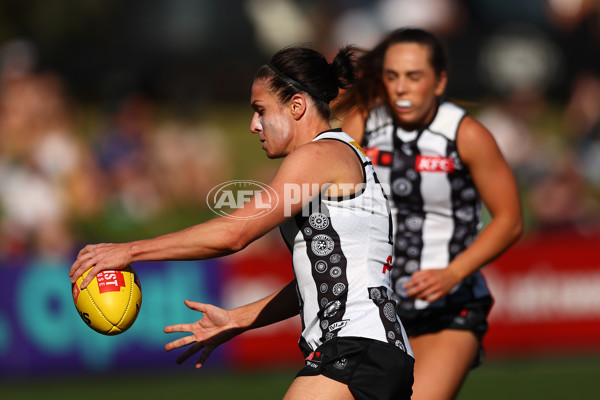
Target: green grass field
{"x":544,"y":379}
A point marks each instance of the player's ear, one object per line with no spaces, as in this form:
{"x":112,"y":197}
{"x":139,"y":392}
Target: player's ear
{"x":298,"y":105}
{"x":441,"y":82}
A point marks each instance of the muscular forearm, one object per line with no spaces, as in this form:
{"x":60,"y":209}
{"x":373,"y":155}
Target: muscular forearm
{"x":211,"y":239}
{"x":276,"y":307}
{"x":492,"y":241}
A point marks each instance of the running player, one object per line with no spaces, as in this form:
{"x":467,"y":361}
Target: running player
{"x":438,"y":164}
{"x":340,"y":237}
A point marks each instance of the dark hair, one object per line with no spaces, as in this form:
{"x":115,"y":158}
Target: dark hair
{"x":369,"y":87}
{"x":300,"y":69}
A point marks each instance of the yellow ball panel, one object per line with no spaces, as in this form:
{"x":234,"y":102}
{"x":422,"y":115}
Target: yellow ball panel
{"x":111,"y":302}
{"x":90,"y":313}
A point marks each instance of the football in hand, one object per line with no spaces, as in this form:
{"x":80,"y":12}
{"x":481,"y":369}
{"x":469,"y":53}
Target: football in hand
{"x":111,"y":302}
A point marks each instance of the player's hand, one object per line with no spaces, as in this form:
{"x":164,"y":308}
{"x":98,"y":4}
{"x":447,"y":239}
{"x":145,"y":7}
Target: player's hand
{"x":214,"y":328}
{"x":431,"y":284}
{"x":99,"y":257}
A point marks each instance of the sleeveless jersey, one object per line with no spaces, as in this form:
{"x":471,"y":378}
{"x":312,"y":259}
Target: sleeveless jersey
{"x":341,"y":251}
{"x":435,"y":205}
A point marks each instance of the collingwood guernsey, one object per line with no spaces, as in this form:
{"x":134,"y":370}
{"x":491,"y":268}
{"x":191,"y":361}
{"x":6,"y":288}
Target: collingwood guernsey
{"x":435,"y":204}
{"x":341,"y":251}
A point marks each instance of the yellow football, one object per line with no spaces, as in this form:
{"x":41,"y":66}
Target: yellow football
{"x":111,"y":302}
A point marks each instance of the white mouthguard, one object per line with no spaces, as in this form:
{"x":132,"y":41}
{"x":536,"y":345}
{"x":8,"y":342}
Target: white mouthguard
{"x":404,"y":103}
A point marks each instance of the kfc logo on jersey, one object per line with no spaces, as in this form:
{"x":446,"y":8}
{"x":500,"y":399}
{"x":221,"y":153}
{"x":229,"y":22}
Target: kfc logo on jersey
{"x":434,"y":164}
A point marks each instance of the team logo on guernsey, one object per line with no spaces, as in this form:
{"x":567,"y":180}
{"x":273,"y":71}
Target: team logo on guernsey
{"x":338,"y":325}
{"x":322,"y":245}
{"x":331,"y":309}
{"x":335,"y":272}
{"x":338,"y":288}
{"x":466,"y":213}
{"x":341,"y":363}
{"x":389,"y":310}
{"x":434,"y":164}
{"x":400,"y":345}
{"x":402,"y":187}
{"x":321,"y":266}
{"x":375,"y":294}
{"x":318,"y":221}
{"x":411,"y":266}
{"x":228,"y":197}
{"x":414,"y":223}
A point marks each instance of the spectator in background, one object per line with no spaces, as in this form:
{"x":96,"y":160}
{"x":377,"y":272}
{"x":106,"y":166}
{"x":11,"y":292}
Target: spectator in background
{"x":189,"y":159}
{"x":554,"y":155}
{"x":124,"y":151}
{"x":582,"y":124}
{"x":38,"y":155}
{"x":566,"y":195}
{"x":514,"y":120}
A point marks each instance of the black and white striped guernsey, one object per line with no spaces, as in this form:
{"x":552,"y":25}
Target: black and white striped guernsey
{"x":341,"y":251}
{"x":435,"y":205}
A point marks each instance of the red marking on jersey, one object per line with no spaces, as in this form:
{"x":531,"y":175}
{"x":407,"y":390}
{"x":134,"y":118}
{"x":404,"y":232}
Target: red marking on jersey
{"x":463,"y":313}
{"x":388,"y":265}
{"x":434,"y":164}
{"x":110,"y":281}
{"x":379,"y":157}
{"x":373,"y":154}
{"x":386,"y":158}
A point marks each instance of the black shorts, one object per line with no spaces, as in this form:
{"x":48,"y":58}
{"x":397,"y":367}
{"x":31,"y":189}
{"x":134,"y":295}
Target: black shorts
{"x":468,"y":317}
{"x":371,"y":369}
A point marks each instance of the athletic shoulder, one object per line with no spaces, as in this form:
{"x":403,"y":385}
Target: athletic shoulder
{"x":475,"y":140}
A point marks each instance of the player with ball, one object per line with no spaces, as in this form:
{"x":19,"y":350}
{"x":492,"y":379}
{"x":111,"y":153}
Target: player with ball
{"x":354,"y":343}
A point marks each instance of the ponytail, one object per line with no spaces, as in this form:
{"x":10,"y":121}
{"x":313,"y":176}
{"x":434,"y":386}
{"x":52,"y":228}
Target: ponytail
{"x":299,"y":69}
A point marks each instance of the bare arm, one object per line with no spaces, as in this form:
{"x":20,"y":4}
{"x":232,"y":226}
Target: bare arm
{"x":320,"y":163}
{"x":498,"y":190}
{"x":217,"y":325}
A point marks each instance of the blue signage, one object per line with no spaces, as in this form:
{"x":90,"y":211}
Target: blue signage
{"x":40,"y":329}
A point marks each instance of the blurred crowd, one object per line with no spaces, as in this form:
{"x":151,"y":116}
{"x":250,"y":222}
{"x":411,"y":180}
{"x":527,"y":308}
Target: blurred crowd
{"x":63,"y":162}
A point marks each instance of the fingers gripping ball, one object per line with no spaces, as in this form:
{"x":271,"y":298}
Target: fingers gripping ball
{"x":111,"y":302}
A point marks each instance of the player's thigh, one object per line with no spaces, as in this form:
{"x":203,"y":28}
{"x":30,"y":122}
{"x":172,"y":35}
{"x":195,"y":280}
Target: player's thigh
{"x":317,"y":387}
{"x":445,"y":358}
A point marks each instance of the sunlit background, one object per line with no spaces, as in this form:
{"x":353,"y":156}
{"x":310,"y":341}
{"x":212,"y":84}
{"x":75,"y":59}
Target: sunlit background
{"x":118,"y":117}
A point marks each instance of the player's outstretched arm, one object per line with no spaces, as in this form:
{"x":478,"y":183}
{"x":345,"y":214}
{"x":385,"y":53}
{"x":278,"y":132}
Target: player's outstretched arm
{"x":217,"y":325}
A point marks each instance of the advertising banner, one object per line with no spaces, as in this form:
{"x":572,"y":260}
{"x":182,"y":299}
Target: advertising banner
{"x":547,"y":296}
{"x":41,"y":331}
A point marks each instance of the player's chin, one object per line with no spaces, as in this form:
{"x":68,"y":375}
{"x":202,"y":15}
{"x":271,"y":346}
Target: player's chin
{"x":408,"y":119}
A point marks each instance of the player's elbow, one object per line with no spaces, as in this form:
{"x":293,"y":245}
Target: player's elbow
{"x":515,"y":227}
{"x":236,"y":238}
